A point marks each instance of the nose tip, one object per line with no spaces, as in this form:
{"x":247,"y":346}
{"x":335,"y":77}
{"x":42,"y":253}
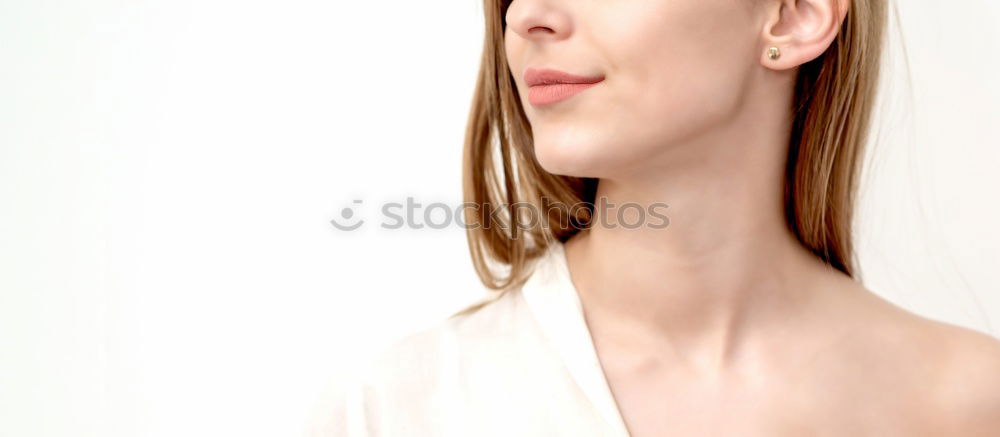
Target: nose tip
{"x":538,"y":20}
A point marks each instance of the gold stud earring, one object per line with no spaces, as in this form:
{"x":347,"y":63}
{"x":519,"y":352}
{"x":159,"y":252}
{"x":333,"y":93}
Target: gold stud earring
{"x":773,"y":53}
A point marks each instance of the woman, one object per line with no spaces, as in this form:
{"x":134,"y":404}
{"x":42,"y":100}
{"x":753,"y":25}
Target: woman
{"x":740,"y":314}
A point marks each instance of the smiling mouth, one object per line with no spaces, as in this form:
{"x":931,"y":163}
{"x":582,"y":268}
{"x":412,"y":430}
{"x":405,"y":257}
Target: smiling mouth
{"x":547,"y":86}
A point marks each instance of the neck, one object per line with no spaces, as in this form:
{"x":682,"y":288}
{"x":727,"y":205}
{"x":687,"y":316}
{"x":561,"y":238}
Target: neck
{"x":724,"y":269}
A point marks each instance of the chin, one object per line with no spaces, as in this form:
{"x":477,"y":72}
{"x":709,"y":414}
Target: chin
{"x":588,"y":156}
{"x":571,"y":151}
{"x":568,"y":159}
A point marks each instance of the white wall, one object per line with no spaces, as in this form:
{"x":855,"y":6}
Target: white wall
{"x":168,"y":169}
{"x":928,"y":225}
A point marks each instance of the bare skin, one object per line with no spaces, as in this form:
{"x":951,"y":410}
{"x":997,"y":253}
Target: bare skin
{"x":722,"y":324}
{"x":837,"y":360}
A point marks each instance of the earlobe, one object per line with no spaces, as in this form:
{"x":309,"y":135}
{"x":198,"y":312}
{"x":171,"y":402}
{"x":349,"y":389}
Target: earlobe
{"x":773,"y":53}
{"x":772,"y":58}
{"x":798,"y":31}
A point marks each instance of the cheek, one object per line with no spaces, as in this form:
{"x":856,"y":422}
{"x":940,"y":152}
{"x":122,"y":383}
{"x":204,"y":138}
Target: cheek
{"x":679,"y":91}
{"x":681,"y":70}
{"x":513,"y":47}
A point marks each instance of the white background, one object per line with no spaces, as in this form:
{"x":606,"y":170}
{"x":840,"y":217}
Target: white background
{"x":168,"y":169}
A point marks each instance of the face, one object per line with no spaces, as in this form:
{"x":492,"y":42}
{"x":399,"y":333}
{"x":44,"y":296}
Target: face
{"x":672,"y":70}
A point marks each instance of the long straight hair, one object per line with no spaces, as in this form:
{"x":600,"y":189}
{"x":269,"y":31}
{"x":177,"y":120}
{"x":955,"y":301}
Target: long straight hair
{"x":833,"y":100}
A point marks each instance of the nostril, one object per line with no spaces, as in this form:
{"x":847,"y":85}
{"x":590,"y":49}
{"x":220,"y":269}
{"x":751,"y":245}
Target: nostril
{"x":542,"y":29}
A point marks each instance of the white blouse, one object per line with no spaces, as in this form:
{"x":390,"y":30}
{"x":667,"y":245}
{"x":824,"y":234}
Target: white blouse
{"x":523,"y":364}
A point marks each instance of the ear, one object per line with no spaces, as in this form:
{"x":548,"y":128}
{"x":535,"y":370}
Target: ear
{"x":801,"y":30}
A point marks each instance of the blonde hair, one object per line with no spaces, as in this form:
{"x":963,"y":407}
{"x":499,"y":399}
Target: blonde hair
{"x":833,"y":101}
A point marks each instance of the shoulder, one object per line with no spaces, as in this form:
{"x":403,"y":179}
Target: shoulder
{"x":968,"y":383}
{"x":953,"y":370}
{"x":418,"y":360}
{"x":409,"y":374}
{"x":490,"y":316}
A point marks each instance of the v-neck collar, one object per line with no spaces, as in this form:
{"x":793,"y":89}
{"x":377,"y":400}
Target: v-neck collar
{"x":553,"y":299}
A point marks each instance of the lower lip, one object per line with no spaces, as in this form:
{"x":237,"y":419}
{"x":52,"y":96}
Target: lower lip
{"x":541,"y":95}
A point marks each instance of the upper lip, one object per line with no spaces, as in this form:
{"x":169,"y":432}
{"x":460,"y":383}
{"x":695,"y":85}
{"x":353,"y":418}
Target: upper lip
{"x":547,"y":76}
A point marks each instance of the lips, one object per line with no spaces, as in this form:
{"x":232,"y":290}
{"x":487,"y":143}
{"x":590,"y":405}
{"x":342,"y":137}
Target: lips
{"x":547,"y":86}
